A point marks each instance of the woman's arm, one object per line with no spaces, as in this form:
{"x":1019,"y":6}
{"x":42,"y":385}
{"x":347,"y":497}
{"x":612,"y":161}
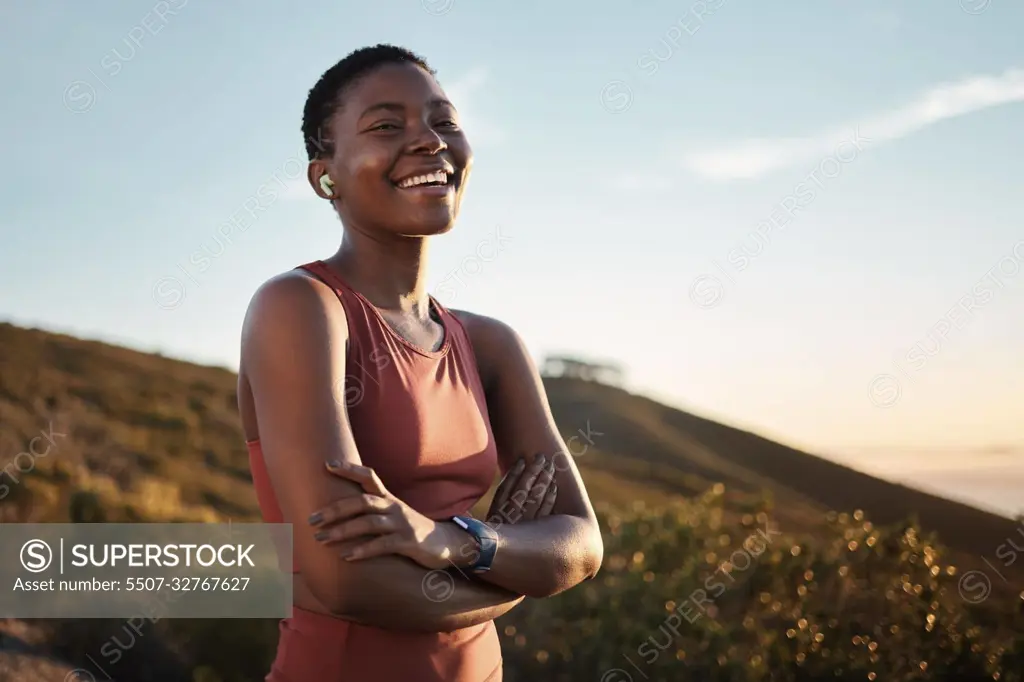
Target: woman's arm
{"x":293,"y":353}
{"x":545,"y":556}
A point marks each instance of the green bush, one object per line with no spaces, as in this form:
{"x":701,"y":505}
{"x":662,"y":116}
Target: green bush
{"x":696,"y":591}
{"x":685,"y":595}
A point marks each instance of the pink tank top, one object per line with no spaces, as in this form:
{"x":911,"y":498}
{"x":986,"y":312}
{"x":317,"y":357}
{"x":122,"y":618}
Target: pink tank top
{"x":420,"y":420}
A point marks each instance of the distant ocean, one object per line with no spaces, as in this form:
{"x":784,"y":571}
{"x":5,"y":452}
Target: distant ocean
{"x":987,"y":479}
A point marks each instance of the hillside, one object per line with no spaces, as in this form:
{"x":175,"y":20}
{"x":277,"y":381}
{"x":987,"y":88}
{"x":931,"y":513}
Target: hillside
{"x":664,"y":448}
{"x":137,"y":425}
{"x":134,"y":416}
{"x":132,"y":430}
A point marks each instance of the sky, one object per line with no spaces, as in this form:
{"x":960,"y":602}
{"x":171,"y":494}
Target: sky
{"x":804,"y":219}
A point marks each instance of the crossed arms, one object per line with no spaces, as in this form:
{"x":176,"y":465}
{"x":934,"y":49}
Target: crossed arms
{"x":293,"y":356}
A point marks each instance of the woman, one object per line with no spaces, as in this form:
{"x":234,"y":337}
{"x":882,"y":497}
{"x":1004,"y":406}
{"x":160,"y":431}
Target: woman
{"x":376,"y":418}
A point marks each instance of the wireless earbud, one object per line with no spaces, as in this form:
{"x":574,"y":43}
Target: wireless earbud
{"x":326,"y":184}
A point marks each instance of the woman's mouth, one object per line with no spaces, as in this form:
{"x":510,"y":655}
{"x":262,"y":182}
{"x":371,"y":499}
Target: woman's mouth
{"x":433,"y":184}
{"x":429,"y":180}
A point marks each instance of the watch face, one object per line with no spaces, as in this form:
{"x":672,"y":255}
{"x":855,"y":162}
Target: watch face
{"x":485,"y":536}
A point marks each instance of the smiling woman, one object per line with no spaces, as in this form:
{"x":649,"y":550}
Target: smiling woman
{"x":376,"y":418}
{"x":415,"y":194}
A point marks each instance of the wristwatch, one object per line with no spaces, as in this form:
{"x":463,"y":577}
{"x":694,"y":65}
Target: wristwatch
{"x":486,"y":539}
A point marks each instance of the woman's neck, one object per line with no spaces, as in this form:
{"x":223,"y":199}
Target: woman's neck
{"x":391,"y":272}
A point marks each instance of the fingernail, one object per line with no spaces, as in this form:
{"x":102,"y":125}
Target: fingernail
{"x":315,"y":518}
{"x":521,"y":464}
{"x":541,"y":459}
{"x":320,"y":535}
{"x":334,"y":464}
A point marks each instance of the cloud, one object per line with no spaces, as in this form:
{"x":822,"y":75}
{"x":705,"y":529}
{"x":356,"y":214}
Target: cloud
{"x":757,"y":157}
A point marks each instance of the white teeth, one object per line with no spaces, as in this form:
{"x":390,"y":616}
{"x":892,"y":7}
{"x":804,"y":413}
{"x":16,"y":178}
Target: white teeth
{"x":437,"y":176}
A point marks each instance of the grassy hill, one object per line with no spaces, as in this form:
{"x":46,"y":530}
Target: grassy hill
{"x":862,"y":577}
{"x":658,"y":446}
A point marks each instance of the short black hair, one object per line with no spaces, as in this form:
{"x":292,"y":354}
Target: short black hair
{"x":325,"y":96}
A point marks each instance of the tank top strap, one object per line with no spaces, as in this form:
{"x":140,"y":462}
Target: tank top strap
{"x":369,"y":330}
{"x":458,"y":336}
{"x":320,"y":270}
{"x":363,"y":324}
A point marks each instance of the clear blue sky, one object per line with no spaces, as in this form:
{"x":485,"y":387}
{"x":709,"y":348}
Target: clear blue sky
{"x":626,"y":151}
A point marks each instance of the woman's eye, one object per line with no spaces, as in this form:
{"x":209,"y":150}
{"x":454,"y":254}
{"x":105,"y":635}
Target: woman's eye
{"x":385,"y":126}
{"x":448,"y":124}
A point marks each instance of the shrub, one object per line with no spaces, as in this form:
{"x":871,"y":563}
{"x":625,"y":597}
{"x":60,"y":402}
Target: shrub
{"x":86,"y":506}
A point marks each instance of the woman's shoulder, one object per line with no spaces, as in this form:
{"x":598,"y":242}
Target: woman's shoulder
{"x":487,"y":330}
{"x":491,"y":338}
{"x":295,"y":287}
{"x":293,"y":303}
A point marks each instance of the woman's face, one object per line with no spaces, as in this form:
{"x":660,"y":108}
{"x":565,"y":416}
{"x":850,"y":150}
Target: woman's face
{"x":395,"y":127}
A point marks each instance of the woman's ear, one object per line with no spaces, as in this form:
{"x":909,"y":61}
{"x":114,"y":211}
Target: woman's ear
{"x":320,"y":179}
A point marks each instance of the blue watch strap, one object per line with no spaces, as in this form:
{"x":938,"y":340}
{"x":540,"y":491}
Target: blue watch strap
{"x":485,"y":536}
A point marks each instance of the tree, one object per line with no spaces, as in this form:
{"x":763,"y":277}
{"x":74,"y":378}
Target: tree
{"x":576,"y":368}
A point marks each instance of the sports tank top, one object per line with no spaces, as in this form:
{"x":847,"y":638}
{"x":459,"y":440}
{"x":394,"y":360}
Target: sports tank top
{"x":419,"y":418}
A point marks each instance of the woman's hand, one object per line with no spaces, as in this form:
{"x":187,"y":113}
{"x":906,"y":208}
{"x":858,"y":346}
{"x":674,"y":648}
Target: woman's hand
{"x":527,"y":492}
{"x":399,"y":529}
